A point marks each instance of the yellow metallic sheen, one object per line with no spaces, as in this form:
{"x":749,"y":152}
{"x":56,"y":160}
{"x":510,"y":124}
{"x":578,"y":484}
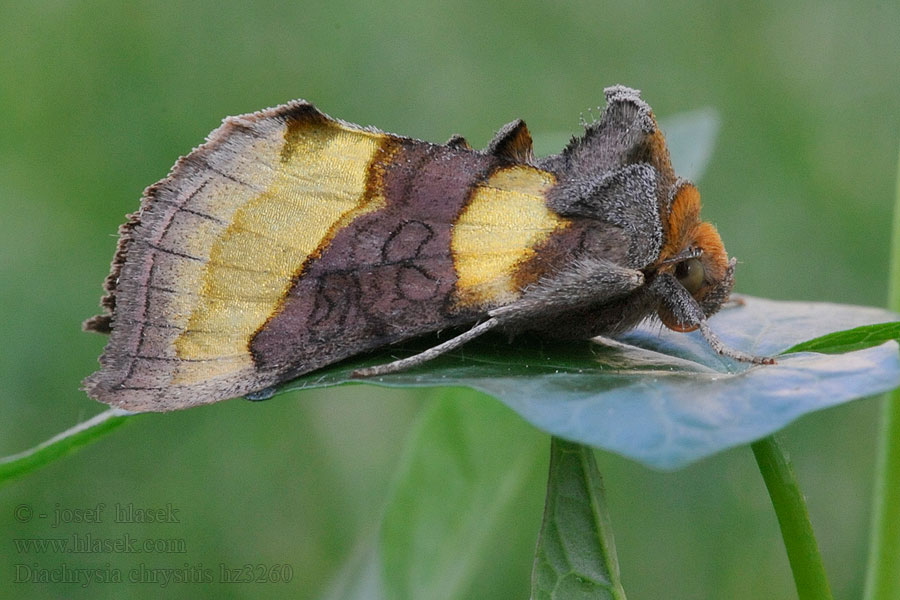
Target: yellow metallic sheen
{"x":253,"y":263}
{"x":499,"y":229}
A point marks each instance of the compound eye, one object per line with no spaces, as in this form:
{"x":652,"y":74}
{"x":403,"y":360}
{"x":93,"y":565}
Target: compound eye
{"x":690,"y":274}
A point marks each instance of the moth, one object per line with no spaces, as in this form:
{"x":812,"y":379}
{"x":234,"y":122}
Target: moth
{"x":291,"y":240}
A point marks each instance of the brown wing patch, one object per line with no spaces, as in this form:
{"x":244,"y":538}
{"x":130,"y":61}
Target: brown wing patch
{"x":386,"y":276}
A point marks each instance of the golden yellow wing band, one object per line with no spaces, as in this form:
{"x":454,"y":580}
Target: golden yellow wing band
{"x":253,"y":263}
{"x":505,"y":219}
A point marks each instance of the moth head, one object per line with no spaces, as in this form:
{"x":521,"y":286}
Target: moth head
{"x":693,"y":253}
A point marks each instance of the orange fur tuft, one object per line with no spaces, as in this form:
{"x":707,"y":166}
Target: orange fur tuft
{"x":684,"y":217}
{"x":715,"y":259}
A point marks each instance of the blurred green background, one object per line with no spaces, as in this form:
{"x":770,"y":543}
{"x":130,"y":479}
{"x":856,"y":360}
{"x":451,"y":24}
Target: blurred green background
{"x":99,"y":98}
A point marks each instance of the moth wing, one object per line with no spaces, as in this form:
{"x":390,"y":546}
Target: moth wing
{"x":215,"y":247}
{"x":450,"y":243}
{"x":500,"y":234}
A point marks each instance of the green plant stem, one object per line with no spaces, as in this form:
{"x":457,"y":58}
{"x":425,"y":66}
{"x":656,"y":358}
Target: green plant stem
{"x":793,"y":518}
{"x":62,"y":443}
{"x":576,"y":552}
{"x":883,"y":572}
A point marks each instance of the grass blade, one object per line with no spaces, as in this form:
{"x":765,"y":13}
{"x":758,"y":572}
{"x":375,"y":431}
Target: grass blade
{"x":883,"y":571}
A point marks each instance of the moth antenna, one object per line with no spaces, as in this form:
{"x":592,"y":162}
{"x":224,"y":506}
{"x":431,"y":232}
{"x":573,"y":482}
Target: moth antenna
{"x":423,"y":357}
{"x":719,"y":346}
{"x":683,"y":255}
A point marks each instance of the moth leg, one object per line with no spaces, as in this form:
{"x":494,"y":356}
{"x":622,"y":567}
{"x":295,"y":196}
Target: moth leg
{"x":721,"y":348}
{"x":425,"y":356}
{"x":688,"y":313}
{"x":627,"y":198}
{"x":591,"y":281}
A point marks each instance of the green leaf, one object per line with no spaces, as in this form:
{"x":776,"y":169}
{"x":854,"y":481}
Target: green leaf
{"x":62,"y":443}
{"x":576,"y":554}
{"x":691,"y":137}
{"x":849,"y":340}
{"x":656,"y":396}
{"x":465,"y":466}
{"x":461,"y":493}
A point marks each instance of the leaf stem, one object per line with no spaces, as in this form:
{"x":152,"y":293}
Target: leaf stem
{"x":62,"y":443}
{"x":883,"y":570}
{"x":576,"y":552}
{"x":793,"y":518}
